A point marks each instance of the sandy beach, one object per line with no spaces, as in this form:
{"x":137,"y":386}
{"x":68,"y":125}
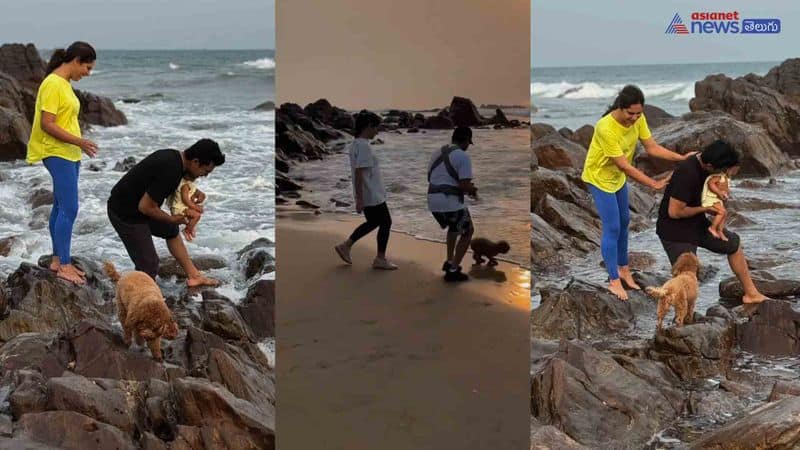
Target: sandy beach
{"x":396,"y":360}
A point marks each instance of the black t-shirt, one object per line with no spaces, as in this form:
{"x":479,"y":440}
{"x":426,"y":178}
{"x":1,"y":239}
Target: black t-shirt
{"x":685,"y":185}
{"x":158,"y":174}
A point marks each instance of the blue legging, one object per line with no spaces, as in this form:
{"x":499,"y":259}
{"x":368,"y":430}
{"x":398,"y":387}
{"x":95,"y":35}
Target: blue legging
{"x":65,"y":204}
{"x":615,"y":214}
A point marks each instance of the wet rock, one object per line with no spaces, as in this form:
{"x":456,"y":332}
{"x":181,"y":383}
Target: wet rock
{"x":539,"y":130}
{"x":149,"y":441}
{"x":784,"y":388}
{"x":464,"y":113}
{"x":109,"y":401}
{"x":738,"y":220}
{"x":222,"y":318}
{"x":286,"y":184}
{"x":755,"y":204}
{"x":569,"y":218}
{"x":562,"y":185}
{"x":772,"y":329}
{"x":6,"y":427}
{"x":584,"y":311}
{"x":35,"y":352}
{"x":296,"y":130}
{"x":30,"y":394}
{"x":233,"y":422}
{"x":14,"y":135}
{"x":697,"y":350}
{"x":40,"y":197}
{"x":96,"y":166}
{"x":6,"y":244}
{"x":306,"y":204}
{"x":747,"y":100}
{"x":97,"y":110}
{"x":258,"y":308}
{"x":71,"y":430}
{"x":438,"y":122}
{"x":551,"y":438}
{"x":694,"y":131}
{"x":324,"y":112}
{"x":41,"y":302}
{"x":596,"y":401}
{"x":169,"y":267}
{"x":125,"y":165}
{"x":554,"y":151}
{"x":731,"y":288}
{"x":774,"y":425}
{"x":281,"y":162}
{"x":499,"y":119}
{"x":256,"y":258}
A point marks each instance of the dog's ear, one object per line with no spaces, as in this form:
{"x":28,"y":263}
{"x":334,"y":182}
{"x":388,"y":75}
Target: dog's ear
{"x":687,"y":262}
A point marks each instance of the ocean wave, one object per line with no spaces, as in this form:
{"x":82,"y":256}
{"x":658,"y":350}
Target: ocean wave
{"x":592,"y":90}
{"x":263,"y":63}
{"x":174,"y":66}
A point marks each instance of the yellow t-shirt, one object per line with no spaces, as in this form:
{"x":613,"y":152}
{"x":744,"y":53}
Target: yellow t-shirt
{"x":612,"y":140}
{"x":57,"y":97}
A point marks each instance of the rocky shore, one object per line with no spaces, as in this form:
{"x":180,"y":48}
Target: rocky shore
{"x":321,"y":129}
{"x":601,"y":377}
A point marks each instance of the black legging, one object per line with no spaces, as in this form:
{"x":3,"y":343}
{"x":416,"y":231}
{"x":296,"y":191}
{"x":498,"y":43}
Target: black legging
{"x":377,"y":217}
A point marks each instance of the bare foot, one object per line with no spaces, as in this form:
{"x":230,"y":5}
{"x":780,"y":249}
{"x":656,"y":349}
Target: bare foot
{"x":201,"y":280}
{"x":55,"y":263}
{"x":627,"y":279}
{"x":188,"y":234}
{"x":714,"y":233}
{"x":722,"y":235}
{"x":69,"y":275}
{"x":751,"y":299}
{"x":615,"y":286}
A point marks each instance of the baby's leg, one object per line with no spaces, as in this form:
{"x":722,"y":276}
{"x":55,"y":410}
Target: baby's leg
{"x":194,"y":217}
{"x":716,"y":224}
{"x":720,"y":220}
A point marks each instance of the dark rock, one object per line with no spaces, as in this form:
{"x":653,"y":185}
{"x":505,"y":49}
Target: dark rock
{"x":149,"y":441}
{"x":34,"y":352}
{"x":6,"y":244}
{"x":256,"y":258}
{"x":596,"y":401}
{"x":437,"y":123}
{"x":235,"y":423}
{"x":286,"y":184}
{"x":755,"y":204}
{"x":784,"y":388}
{"x":71,"y":430}
{"x":554,"y":151}
{"x":23,"y":63}
{"x":14,"y":135}
{"x":258,"y":308}
{"x":540,"y":130}
{"x":760,"y":156}
{"x":169,"y":267}
{"x":464,"y":113}
{"x":281,"y":161}
{"x":551,"y":438}
{"x":266,"y":106}
{"x":583,"y":136}
{"x":785,"y":79}
{"x":328,"y":114}
{"x":40,"y":197}
{"x":773,"y":329}
{"x":108,"y":401}
{"x":775,"y":425}
{"x":125,"y":165}
{"x":747,"y":100}
{"x":131,"y":100}
{"x":30,"y":395}
{"x":306,"y":204}
{"x":97,"y":110}
{"x":731,"y":288}
{"x":584,"y":311}
{"x":656,"y":116}
{"x":291,"y":117}
{"x":221,"y":317}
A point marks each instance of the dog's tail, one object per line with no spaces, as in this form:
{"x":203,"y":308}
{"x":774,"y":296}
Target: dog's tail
{"x":111,"y":271}
{"x":657,"y":292}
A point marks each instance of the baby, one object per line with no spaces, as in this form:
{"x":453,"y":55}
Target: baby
{"x":187,"y":200}
{"x":715,"y":191}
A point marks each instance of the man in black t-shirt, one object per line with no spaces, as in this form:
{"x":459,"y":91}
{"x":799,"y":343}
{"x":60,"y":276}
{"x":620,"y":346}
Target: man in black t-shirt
{"x":134,"y":207}
{"x":682,"y":224}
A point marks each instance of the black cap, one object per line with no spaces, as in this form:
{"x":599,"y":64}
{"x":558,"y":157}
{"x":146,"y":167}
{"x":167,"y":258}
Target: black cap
{"x":462,"y":133}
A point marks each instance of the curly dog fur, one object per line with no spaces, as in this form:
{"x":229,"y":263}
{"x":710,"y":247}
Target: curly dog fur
{"x":482,"y":247}
{"x":680,"y":291}
{"x":141,"y":309}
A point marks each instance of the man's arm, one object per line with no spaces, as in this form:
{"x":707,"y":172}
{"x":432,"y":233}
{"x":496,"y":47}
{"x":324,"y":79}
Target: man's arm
{"x":466,"y":186}
{"x":150,"y":208}
{"x":677,"y":209}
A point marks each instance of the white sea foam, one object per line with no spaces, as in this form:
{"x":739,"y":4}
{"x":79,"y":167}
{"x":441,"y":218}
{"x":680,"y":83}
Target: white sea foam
{"x":174,"y":66}
{"x":593,"y":90}
{"x":263,"y":63}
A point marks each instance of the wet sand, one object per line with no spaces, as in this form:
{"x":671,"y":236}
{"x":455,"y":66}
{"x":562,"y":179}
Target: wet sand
{"x":372,"y":359}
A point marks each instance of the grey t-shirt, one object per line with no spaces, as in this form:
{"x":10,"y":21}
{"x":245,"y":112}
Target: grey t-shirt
{"x":361,"y":157}
{"x":445,"y":203}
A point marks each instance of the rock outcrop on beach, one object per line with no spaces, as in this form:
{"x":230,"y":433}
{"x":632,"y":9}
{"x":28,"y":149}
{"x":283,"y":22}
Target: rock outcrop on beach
{"x":21,"y":72}
{"x":68,"y":381}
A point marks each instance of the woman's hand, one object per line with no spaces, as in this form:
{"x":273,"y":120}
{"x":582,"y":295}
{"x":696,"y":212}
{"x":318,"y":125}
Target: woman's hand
{"x":88,"y":147}
{"x":660,"y":184}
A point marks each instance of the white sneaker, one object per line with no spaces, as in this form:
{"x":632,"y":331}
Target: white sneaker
{"x":383,"y":264}
{"x":343,"y":250}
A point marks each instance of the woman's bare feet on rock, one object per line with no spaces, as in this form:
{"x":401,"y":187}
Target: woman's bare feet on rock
{"x":615,"y":286}
{"x":70,"y":273}
{"x":627,"y":279}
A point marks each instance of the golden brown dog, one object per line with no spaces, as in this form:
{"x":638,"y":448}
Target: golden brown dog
{"x":141,"y":309}
{"x":680,"y":291}
{"x":482,"y":247}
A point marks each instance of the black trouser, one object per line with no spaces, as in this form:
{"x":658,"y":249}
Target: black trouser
{"x":705,"y":240}
{"x":138,"y":240}
{"x":377,"y":217}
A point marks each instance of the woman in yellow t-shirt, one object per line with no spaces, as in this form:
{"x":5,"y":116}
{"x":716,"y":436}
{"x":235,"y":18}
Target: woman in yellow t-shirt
{"x":56,"y":141}
{"x":608,"y":164}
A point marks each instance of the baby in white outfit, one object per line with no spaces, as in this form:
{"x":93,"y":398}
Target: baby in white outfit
{"x":187,"y":200}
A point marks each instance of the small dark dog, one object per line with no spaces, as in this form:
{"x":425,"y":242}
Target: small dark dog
{"x":484,"y":247}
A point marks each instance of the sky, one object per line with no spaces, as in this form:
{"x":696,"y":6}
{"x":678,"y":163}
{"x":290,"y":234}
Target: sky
{"x":414,"y":54}
{"x":141,"y":24}
{"x":568,"y":33}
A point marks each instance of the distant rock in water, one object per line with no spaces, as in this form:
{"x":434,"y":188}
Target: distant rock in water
{"x":96,"y":110}
{"x":131,"y":100}
{"x":464,"y":113}
{"x":14,"y":135}
{"x":125,"y":165}
{"x":266,"y":106}
{"x":23,"y":63}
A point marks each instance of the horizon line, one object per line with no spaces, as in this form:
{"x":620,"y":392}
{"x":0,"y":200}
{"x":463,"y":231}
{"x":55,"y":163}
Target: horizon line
{"x":662,"y":64}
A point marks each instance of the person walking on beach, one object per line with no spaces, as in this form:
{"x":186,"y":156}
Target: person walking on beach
{"x":57,"y":142}
{"x":134,"y":207}
{"x":369,"y":193}
{"x":682,"y":225}
{"x":449,"y":180}
{"x":606,"y":169}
